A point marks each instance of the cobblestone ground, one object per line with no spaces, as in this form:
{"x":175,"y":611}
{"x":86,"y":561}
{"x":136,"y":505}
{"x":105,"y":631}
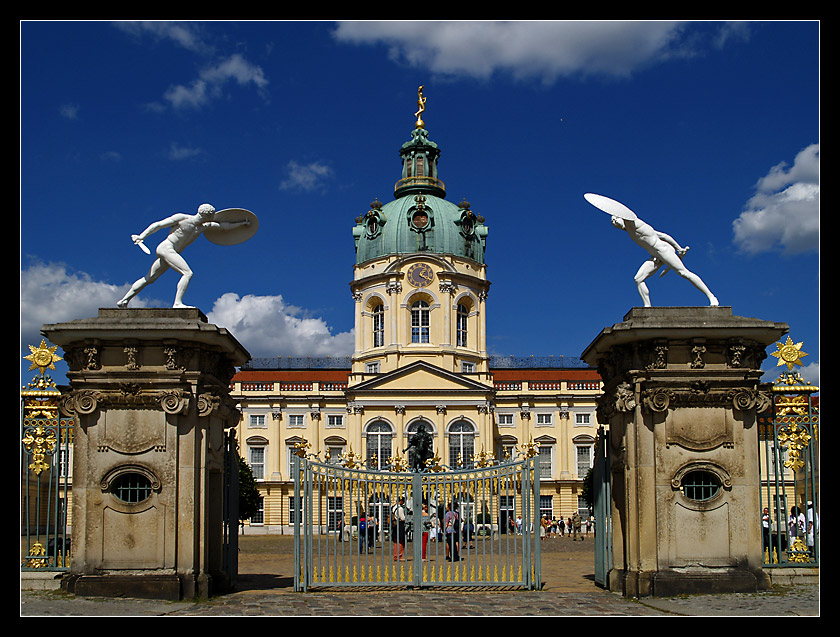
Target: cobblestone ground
{"x":265,"y":588}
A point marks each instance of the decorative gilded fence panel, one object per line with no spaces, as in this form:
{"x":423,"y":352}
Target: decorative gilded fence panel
{"x":45,"y":470}
{"x":789,"y":468}
{"x":359,"y":527}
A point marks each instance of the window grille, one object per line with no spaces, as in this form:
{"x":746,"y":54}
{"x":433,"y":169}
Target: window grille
{"x":700,"y":485}
{"x":131,"y":488}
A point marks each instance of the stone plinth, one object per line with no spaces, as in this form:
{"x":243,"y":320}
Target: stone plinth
{"x":681,"y":397}
{"x":149,"y":390}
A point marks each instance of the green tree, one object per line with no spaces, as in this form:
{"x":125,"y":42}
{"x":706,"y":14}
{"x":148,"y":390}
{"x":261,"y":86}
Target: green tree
{"x":587,"y":490}
{"x":249,"y":495}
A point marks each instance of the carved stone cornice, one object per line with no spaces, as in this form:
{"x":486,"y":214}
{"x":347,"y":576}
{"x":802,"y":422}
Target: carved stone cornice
{"x":660,"y":399}
{"x":175,"y":402}
{"x":666,"y":354}
{"x":87,"y":401}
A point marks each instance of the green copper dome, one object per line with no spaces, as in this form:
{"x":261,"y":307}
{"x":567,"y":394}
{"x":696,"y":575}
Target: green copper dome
{"x":419,"y":220}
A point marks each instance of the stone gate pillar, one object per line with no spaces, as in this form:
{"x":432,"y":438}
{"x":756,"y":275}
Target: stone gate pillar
{"x":681,"y":397}
{"x":149,"y":390}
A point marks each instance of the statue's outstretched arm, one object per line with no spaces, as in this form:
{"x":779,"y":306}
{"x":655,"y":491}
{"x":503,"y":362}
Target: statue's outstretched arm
{"x":227,"y":225}
{"x":157,"y":225}
{"x":670,"y":240}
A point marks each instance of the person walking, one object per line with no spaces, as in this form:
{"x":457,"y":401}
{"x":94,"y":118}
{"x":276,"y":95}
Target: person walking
{"x":362,"y":531}
{"x":765,"y":533}
{"x":398,"y":526}
{"x":576,"y":526}
{"x":452,"y":525}
{"x":372,"y":523}
{"x":426,"y":524}
{"x":813,"y":529}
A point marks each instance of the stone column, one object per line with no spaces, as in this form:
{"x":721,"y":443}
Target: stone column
{"x":681,"y":398}
{"x":149,"y":390}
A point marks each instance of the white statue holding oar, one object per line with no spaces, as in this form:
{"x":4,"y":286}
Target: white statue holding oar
{"x":226,"y":227}
{"x":663,"y":249}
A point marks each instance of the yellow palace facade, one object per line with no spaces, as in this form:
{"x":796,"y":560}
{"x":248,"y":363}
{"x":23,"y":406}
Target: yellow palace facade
{"x":420,"y":304}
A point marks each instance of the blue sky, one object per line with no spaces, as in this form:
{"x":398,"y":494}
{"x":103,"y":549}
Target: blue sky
{"x":709,"y":131}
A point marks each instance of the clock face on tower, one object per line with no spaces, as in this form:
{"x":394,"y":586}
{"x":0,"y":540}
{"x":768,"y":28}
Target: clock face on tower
{"x":420,"y":275}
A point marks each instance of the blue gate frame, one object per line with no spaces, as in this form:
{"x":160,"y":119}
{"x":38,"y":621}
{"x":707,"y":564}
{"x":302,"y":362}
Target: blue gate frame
{"x":602,"y":509}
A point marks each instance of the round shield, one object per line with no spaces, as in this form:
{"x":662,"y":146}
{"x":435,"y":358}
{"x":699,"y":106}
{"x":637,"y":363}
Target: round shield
{"x":610,"y":206}
{"x":232,"y":236}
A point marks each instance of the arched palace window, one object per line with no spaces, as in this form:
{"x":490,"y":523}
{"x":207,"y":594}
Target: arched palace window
{"x":378,"y":446}
{"x":461,"y":444}
{"x":420,"y":322}
{"x":461,"y":326}
{"x":379,"y":325}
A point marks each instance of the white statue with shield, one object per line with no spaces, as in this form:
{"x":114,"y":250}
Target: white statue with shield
{"x":663,"y":249}
{"x":225,"y":227}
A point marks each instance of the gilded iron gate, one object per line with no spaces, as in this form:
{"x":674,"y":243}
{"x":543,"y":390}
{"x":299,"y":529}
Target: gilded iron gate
{"x":347,"y":536}
{"x":789,"y":468}
{"x":45,"y":479}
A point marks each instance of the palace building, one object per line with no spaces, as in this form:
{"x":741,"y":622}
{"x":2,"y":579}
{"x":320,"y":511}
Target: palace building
{"x":420,"y":295}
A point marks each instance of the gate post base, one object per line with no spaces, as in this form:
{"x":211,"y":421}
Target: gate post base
{"x":666,"y":584}
{"x":164,"y":587}
{"x":670,"y":583}
{"x":149,"y":390}
{"x":682,"y":395}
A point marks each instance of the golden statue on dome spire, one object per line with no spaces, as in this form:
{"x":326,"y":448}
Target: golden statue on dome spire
{"x":421,"y":107}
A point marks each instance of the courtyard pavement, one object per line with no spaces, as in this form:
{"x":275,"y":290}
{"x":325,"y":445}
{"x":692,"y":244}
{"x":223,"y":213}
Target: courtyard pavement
{"x":265,"y":588}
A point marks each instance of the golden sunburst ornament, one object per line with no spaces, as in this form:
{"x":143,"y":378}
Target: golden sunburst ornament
{"x":789,"y":354}
{"x":43,"y":357}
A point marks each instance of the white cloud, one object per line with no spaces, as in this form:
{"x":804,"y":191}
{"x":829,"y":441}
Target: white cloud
{"x":49,"y":293}
{"x":306,"y":177}
{"x":235,"y":68}
{"x":212,"y":79}
{"x":69,"y":111}
{"x":111,"y":155}
{"x":542,"y":49}
{"x":267,"y":326}
{"x":809,"y":373}
{"x":184,"y":34}
{"x":785,"y":211}
{"x":192,"y":96}
{"x":177,"y":152}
